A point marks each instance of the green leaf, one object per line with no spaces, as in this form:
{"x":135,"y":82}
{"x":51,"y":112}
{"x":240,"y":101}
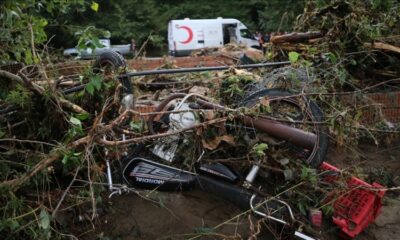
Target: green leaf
{"x":302,"y":208}
{"x":90,"y":88}
{"x":259,"y":149}
{"x":307,"y":63}
{"x":293,"y":57}
{"x":28,"y":57}
{"x":96,"y":81}
{"x":14,"y":13}
{"x":42,"y":22}
{"x":75,"y":121}
{"x":44,"y":219}
{"x":65,"y":159}
{"x":95,"y":43}
{"x":328,"y":210}
{"x":94,"y":84}
{"x":135,"y":126}
{"x":82,"y":116}
{"x":332,"y":57}
{"x":81,"y":45}
{"x":107,"y":34}
{"x":94,"y":6}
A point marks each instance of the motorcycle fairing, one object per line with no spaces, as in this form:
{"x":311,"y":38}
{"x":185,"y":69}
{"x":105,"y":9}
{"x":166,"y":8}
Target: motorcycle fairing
{"x":220,"y":171}
{"x":146,"y":174}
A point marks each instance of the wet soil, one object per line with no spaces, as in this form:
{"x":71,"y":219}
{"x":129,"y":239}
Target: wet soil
{"x":192,"y":215}
{"x":170,"y":216}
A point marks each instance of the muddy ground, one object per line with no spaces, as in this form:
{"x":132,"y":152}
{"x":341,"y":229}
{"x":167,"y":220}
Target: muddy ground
{"x":191,"y":215}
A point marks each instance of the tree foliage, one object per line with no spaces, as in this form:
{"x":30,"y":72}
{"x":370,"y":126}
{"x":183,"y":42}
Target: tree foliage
{"x":38,"y":21}
{"x":23,"y":25}
{"x":137,"y":19}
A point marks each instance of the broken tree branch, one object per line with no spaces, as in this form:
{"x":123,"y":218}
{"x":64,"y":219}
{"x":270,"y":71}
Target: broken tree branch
{"x":14,"y":184}
{"x":160,"y":135}
{"x":11,"y":76}
{"x":382,"y":46}
{"x":24,"y":81}
{"x":295,"y":37}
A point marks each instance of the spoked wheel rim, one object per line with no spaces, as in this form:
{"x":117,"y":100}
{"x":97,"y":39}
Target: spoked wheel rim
{"x":309,"y":116}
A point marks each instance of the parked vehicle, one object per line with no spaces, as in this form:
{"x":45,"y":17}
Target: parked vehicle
{"x":88,"y":52}
{"x":187,"y":35}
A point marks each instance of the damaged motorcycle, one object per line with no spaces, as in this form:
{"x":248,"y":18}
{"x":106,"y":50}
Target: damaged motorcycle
{"x":232,"y":152}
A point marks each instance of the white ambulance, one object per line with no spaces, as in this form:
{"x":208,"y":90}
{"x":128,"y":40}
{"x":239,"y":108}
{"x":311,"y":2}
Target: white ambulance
{"x":187,"y":35}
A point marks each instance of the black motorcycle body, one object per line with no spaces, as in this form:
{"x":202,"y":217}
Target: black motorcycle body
{"x":148,"y":174}
{"x":153,"y":166}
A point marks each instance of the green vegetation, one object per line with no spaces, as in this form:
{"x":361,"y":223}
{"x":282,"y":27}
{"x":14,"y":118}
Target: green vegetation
{"x":63,"y":22}
{"x":23,"y":26}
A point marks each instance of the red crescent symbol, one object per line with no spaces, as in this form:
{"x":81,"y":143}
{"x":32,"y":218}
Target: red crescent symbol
{"x":190,"y":32}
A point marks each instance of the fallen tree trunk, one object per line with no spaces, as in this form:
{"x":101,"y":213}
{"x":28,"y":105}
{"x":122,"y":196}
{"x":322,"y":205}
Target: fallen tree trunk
{"x":295,"y":37}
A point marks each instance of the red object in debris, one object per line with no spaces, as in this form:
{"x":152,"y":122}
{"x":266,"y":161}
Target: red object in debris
{"x":316,"y":217}
{"x":358,"y":206}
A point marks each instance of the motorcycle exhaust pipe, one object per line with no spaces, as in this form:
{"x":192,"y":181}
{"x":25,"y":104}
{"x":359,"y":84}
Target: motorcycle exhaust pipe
{"x":239,"y":196}
{"x":276,"y":129}
{"x":236,"y":195}
{"x":291,"y":134}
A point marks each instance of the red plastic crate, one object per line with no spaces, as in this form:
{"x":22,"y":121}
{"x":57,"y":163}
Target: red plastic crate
{"x":357,"y":206}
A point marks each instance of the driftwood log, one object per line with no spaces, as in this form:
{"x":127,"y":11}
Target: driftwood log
{"x":295,"y":37}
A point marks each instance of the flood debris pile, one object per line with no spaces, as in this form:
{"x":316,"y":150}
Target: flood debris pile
{"x":362,"y":35}
{"x":349,"y":53}
{"x":60,"y":132}
{"x":241,"y":54}
{"x":80,"y":124}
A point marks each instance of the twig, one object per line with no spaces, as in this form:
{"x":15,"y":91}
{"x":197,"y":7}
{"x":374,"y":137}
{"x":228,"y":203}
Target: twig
{"x":142,"y":47}
{"x":160,"y":135}
{"x":32,"y":41}
{"x":382,"y":46}
{"x":26,"y":141}
{"x":65,"y":193}
{"x":26,"y":214}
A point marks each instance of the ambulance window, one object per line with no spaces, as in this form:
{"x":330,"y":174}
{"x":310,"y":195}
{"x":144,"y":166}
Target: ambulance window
{"x":245,"y":33}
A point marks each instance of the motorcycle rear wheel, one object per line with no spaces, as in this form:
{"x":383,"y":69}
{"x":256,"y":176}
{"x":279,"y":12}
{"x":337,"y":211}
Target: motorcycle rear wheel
{"x":313,"y":115}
